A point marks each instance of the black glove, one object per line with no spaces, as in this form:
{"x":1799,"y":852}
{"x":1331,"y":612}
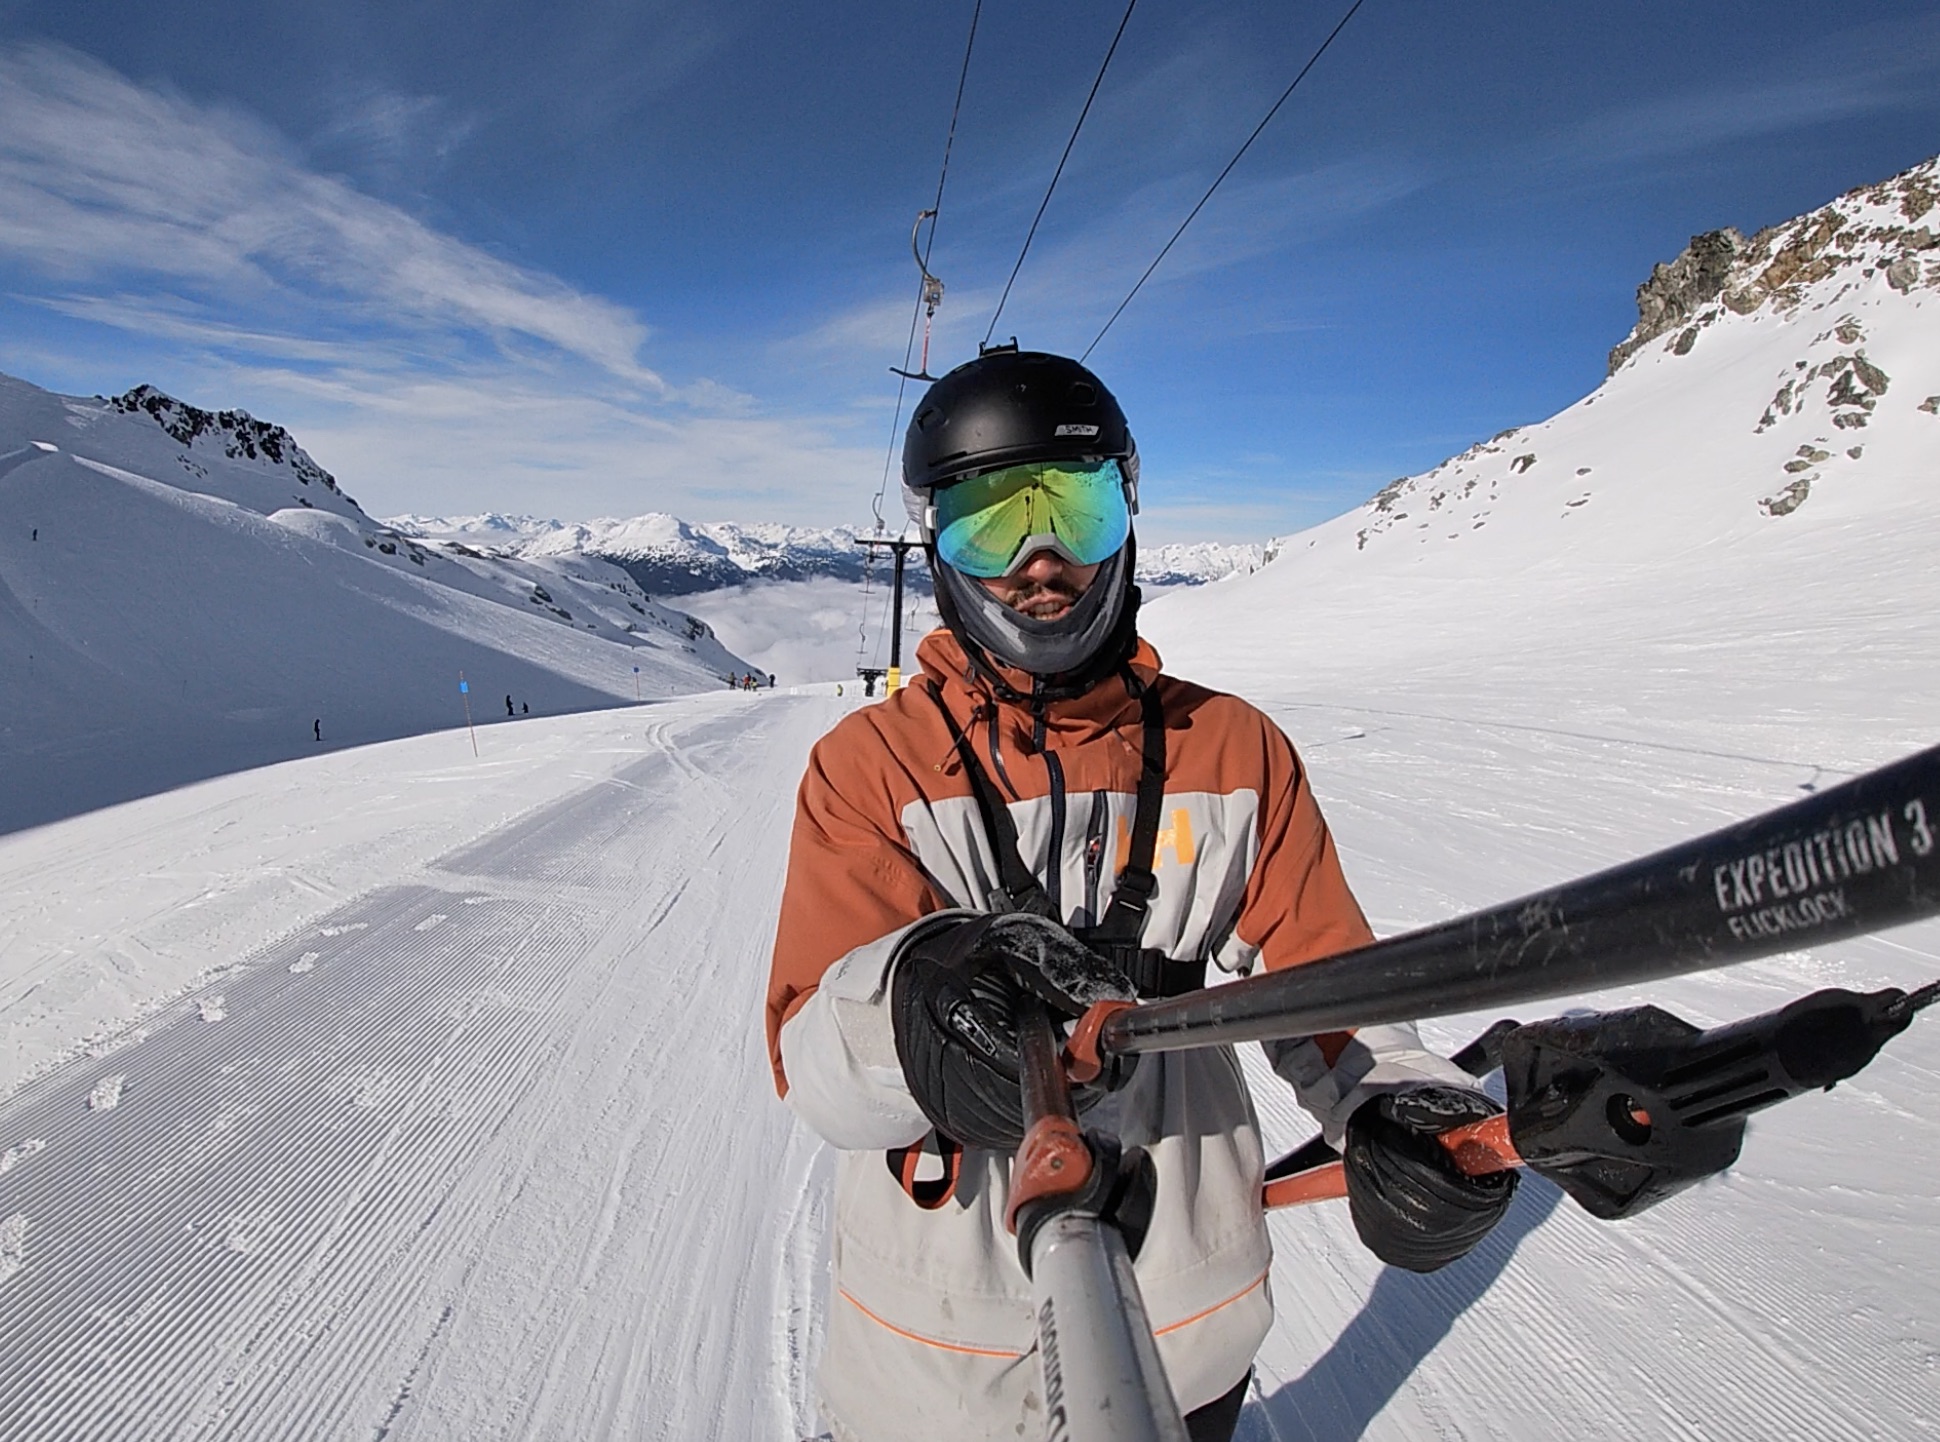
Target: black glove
{"x":953,"y":1001}
{"x":1410,"y":1204}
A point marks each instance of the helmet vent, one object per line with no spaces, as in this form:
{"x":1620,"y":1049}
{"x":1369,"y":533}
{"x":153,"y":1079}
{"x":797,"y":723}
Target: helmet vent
{"x":1083,"y":394}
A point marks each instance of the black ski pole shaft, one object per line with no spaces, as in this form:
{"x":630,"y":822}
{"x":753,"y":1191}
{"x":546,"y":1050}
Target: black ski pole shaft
{"x":1860,"y":857}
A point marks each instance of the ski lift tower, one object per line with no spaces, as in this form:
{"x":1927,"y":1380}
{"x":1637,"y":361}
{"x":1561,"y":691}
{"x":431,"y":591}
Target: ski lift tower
{"x":900,"y":549}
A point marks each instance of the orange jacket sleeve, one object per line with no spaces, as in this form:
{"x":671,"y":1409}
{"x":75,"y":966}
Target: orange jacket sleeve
{"x":1297,"y":906}
{"x":852,"y":878}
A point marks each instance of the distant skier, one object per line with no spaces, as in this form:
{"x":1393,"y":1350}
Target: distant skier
{"x":524,"y":709}
{"x":508,"y":705}
{"x":916,"y":916}
{"x":316,"y":728}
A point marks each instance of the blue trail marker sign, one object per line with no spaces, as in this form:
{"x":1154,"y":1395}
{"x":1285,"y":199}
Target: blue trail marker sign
{"x":465,"y":695}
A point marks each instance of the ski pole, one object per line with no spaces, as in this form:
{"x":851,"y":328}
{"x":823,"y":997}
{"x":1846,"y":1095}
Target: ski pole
{"x":1103,"y":1380}
{"x":1624,"y":1109}
{"x":1858,"y":858}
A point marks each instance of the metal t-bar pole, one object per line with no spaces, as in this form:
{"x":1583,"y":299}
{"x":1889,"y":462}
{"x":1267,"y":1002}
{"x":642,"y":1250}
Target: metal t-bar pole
{"x":896,"y":626}
{"x":1103,"y":1379}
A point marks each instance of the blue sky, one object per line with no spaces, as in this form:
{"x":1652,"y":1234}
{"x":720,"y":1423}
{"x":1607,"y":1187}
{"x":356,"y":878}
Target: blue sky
{"x":612,"y":256}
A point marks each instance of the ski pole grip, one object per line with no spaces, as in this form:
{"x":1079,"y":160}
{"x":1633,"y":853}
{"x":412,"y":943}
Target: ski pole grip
{"x":1053,"y":1162}
{"x":1477,"y":1150}
{"x":1084,"y":1055}
{"x":1483,"y":1147}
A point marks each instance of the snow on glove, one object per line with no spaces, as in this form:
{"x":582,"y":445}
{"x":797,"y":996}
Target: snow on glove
{"x":1042,"y":955}
{"x":1410,"y":1204}
{"x":953,"y":1003}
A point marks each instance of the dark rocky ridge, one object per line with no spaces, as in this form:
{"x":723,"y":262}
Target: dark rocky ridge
{"x":241,"y":435}
{"x":1678,"y":289}
{"x":1876,"y":228}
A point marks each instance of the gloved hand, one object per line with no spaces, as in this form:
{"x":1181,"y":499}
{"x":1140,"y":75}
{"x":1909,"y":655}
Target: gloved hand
{"x":1410,"y":1204}
{"x":953,"y":1001}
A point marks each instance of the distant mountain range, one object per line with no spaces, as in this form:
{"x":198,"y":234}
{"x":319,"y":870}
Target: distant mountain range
{"x":667,"y":556}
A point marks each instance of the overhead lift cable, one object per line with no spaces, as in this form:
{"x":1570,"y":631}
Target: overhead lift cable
{"x":1042,"y":204}
{"x":916,"y":312}
{"x":1332,"y":34}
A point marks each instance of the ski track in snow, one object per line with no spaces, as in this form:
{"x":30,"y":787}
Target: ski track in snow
{"x":505,"y":1174}
{"x":1770,"y":1303}
{"x":521,"y":1174}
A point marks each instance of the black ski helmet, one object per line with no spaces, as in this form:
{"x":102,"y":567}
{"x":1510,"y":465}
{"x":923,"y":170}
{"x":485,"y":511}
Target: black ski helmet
{"x":1008,"y":407}
{"x":1005,"y":408}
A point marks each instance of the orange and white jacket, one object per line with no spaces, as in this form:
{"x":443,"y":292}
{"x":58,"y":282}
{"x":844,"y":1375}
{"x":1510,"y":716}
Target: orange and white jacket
{"x":930,"y":1330}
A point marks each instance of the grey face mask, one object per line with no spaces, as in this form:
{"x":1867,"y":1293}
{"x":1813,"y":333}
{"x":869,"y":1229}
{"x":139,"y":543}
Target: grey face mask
{"x":1043,"y":648}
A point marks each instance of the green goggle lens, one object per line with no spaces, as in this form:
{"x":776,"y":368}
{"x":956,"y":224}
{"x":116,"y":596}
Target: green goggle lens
{"x":989,"y":525}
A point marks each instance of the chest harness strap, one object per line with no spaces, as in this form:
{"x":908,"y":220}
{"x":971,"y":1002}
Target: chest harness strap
{"x":1116,"y":935}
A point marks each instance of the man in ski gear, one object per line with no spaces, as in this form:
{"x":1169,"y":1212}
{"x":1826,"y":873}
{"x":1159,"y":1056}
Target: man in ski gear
{"x":1045,"y":814}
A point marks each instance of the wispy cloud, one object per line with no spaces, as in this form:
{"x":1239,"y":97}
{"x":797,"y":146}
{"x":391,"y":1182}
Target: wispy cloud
{"x":427,"y":373}
{"x":393,"y":134}
{"x":1076,"y":274}
{"x":509,"y":442}
{"x":102,"y":180}
{"x":162,"y":317}
{"x":1868,"y":70}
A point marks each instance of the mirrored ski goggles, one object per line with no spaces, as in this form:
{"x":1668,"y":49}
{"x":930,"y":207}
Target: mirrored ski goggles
{"x":991,"y":525}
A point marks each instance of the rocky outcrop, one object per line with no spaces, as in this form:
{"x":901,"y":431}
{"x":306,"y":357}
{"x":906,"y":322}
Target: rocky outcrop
{"x":1677,"y":290}
{"x":1853,"y":384}
{"x":1878,"y":234}
{"x":240,"y":435}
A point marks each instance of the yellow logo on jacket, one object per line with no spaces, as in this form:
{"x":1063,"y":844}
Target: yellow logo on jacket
{"x":1176,"y":838}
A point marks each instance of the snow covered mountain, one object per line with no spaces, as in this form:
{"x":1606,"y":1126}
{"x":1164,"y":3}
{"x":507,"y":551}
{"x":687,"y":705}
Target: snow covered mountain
{"x":667,"y":556}
{"x":800,"y":603}
{"x":1744,"y":512}
{"x":184,"y":592}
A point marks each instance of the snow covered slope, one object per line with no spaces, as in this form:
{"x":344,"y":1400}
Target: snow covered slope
{"x":185,"y":592}
{"x":399,"y":1094}
{"x":1735,"y":532}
